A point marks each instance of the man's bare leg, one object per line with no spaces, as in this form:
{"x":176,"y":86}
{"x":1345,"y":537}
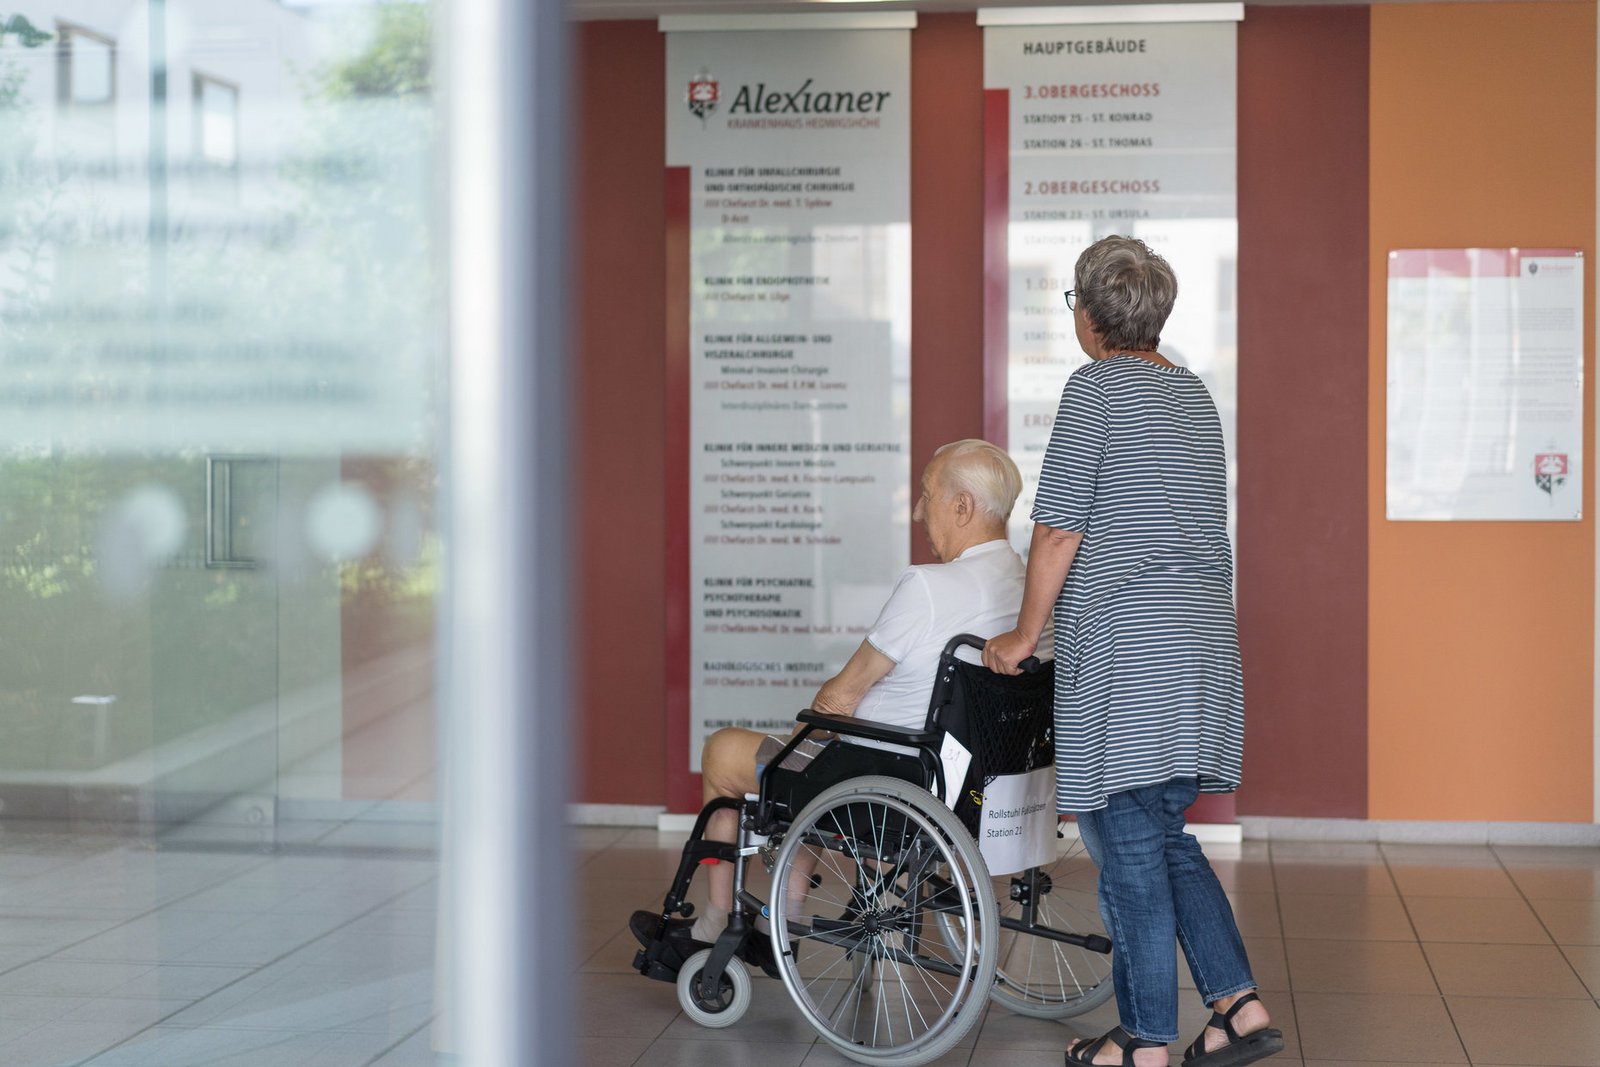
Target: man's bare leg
{"x":728,"y":769}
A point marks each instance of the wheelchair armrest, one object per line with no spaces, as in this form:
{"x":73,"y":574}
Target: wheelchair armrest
{"x":872,"y":731}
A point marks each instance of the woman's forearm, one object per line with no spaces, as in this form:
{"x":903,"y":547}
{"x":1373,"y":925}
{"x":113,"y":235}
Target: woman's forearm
{"x":1050,"y":556}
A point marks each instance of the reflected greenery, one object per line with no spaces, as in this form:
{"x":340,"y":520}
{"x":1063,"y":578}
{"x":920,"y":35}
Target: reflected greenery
{"x":317,"y":266}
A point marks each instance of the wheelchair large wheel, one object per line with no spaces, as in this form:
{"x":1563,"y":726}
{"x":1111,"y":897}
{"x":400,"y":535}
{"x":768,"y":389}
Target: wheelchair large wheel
{"x":871,"y":968}
{"x":1038,"y":976}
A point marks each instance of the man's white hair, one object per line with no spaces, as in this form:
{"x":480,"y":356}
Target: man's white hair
{"x":984,"y":470}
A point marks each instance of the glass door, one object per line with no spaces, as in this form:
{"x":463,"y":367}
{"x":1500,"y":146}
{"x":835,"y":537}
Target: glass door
{"x":219,"y":336}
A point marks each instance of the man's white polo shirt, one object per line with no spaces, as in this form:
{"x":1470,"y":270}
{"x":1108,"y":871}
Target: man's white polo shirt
{"x":979,"y":593}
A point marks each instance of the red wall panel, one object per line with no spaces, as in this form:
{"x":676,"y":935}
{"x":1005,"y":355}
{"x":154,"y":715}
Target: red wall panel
{"x":621,"y":329}
{"x":947,"y":371}
{"x":1302,"y":437}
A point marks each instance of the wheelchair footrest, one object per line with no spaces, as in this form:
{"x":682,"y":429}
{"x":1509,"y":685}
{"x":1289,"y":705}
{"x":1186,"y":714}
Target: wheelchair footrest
{"x":653,"y":968}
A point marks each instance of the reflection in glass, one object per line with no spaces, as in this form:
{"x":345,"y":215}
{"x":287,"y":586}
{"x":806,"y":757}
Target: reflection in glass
{"x":218,"y":539}
{"x":216,"y":126}
{"x":88,"y":65}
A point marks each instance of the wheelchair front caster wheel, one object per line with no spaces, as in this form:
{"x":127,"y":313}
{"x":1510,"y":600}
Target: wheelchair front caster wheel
{"x":732,"y":999}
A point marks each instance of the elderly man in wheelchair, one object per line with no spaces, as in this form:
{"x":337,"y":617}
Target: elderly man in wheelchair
{"x":884,"y":921}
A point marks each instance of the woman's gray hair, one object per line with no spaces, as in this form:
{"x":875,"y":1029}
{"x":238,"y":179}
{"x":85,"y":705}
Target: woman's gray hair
{"x":984,"y":470}
{"x":1127,"y":291}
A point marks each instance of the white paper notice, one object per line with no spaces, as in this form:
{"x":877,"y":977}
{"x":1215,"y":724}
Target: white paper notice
{"x":1485,"y":384}
{"x":794,"y":147}
{"x":1018,"y":828}
{"x":1097,"y":130}
{"x":957,"y":760}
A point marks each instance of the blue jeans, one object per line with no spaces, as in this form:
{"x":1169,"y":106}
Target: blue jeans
{"x":1154,"y":882}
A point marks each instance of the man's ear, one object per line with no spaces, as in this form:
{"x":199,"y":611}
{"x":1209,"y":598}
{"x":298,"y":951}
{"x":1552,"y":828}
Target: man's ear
{"x":966,"y":510}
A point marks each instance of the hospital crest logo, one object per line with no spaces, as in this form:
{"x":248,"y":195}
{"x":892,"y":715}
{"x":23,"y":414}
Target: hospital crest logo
{"x":1550,"y":471}
{"x":703,"y":93}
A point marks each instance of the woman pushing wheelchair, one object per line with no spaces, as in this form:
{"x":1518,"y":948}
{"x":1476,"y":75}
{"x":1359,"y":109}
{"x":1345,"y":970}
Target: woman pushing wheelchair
{"x":1130,"y":558}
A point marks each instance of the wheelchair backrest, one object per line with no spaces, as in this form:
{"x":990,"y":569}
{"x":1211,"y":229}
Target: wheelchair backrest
{"x":1006,"y":721}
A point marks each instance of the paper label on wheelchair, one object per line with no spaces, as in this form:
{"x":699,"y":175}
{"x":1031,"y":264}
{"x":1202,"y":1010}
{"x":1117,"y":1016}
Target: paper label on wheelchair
{"x":1019,"y":820}
{"x":956,"y":759}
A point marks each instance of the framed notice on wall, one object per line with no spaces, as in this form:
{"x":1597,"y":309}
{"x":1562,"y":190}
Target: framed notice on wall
{"x":1485,"y":384}
{"x":789,"y":300}
{"x":1101,"y":121}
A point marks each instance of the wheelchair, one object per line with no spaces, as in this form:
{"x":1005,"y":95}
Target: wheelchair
{"x":904,"y":935}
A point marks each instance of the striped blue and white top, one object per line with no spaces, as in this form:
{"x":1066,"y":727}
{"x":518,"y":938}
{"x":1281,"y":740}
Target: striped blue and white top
{"x":1148,"y":680}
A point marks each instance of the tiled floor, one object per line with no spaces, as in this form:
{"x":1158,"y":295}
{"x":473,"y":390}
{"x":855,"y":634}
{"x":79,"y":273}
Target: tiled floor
{"x":183,"y":950}
{"x":1399,"y":954}
{"x":178,"y":950}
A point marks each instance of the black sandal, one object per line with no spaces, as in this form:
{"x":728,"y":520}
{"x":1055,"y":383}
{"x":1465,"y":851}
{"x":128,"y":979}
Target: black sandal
{"x":1084,"y":1052}
{"x":1241,"y":1048}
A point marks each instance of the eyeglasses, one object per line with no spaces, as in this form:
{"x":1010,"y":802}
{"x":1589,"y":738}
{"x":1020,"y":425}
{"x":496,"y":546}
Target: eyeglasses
{"x":1071,"y":303}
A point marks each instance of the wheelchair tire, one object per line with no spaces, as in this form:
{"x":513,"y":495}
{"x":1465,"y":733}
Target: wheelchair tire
{"x":1037,"y":976}
{"x":872,"y":971}
{"x":733,"y":1002}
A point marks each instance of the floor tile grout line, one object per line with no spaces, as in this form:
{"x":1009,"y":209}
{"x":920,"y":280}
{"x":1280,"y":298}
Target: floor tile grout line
{"x":402,"y":1041}
{"x":1427,"y":961}
{"x":249,"y":974}
{"x":1283,"y":937}
{"x":1561,"y":949}
{"x":283,"y":1035}
{"x":135,"y":918}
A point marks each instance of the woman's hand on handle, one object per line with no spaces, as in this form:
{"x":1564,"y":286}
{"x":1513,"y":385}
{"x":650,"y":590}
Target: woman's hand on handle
{"x":1002,"y":654}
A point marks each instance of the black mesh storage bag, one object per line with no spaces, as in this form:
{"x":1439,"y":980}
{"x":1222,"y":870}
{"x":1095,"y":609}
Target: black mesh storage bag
{"x":1005,"y":721}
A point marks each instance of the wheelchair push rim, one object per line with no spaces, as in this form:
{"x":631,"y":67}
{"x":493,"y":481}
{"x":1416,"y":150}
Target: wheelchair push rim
{"x":872,"y":970}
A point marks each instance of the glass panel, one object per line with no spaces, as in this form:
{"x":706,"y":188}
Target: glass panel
{"x":91,"y":62}
{"x":217,"y":128}
{"x":220,"y":331}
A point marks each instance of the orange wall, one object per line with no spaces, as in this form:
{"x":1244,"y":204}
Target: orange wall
{"x":1481,"y":635}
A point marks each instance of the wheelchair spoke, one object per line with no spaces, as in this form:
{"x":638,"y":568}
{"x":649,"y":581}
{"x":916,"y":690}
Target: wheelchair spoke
{"x":871,"y":972}
{"x":835,"y":965}
{"x":861,"y":865}
{"x":1049,"y":978}
{"x":929,"y":981}
{"x":906,"y":1001}
{"x":828,"y":857}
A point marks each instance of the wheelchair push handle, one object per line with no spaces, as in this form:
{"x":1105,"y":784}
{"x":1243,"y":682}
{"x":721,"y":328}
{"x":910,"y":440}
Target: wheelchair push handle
{"x":1031,"y":665}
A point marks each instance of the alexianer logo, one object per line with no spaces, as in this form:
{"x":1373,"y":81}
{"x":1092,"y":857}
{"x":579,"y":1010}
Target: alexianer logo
{"x":807,"y":100}
{"x":702,"y":95}
{"x":1550,"y":471}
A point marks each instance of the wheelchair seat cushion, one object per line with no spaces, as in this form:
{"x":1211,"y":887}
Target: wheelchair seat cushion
{"x":804,"y":752}
{"x":792,"y":790}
